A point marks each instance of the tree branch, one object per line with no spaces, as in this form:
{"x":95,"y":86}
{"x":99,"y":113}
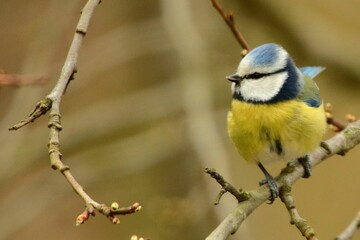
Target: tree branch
{"x":226,"y":187}
{"x":230,"y":21}
{"x":52,"y":103}
{"x":40,"y":109}
{"x":334,"y":124}
{"x":306,"y":230}
{"x":340,"y":143}
{"x":350,"y":230}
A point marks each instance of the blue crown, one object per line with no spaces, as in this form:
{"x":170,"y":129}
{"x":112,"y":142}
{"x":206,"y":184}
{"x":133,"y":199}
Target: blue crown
{"x":266,"y":54}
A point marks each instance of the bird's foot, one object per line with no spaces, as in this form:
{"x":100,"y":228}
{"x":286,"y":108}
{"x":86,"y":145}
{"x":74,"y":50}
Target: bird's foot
{"x":274,"y":189}
{"x":305,"y":162}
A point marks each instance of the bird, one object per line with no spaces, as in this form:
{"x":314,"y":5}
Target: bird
{"x":276,"y":110}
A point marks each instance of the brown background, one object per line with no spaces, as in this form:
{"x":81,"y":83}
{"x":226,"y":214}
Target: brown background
{"x":146,"y":113}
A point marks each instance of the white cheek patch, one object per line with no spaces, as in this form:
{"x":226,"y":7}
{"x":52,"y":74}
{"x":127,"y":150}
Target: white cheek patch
{"x":235,"y":89}
{"x":263,"y":89}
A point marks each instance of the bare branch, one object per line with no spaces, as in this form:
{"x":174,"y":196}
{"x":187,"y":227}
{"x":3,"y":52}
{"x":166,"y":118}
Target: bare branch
{"x":226,"y":187}
{"x":111,"y":212}
{"x":52,"y":102}
{"x":306,"y":230}
{"x":350,"y":230}
{"x":334,"y":124}
{"x":340,"y":143}
{"x":40,"y":109}
{"x":230,"y":21}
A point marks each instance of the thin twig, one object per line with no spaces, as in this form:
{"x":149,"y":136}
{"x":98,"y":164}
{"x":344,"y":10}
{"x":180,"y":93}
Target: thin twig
{"x":52,"y":102}
{"x":230,"y":21}
{"x":22,"y":79}
{"x":334,"y":124}
{"x":341,"y":142}
{"x":40,"y":109}
{"x":306,"y":230}
{"x":226,"y":187}
{"x":111,"y":212}
{"x":351,"y":229}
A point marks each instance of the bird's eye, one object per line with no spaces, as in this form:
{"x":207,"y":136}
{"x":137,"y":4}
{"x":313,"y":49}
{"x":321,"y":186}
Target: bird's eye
{"x":255,"y":75}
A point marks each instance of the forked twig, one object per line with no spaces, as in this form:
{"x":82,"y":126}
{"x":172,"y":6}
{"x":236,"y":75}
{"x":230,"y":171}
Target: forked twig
{"x":306,"y":230}
{"x":52,"y":103}
{"x":226,"y":187}
{"x":333,"y":123}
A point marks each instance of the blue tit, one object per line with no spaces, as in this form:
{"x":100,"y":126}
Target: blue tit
{"x":276,"y":111}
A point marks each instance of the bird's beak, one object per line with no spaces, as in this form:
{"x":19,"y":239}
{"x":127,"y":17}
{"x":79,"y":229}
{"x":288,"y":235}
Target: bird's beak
{"x":234,"y":78}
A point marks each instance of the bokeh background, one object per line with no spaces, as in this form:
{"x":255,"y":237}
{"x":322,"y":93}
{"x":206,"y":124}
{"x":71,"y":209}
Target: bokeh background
{"x":147,"y":113}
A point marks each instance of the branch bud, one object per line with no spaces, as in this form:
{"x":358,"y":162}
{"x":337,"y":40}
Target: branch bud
{"x":114,"y":206}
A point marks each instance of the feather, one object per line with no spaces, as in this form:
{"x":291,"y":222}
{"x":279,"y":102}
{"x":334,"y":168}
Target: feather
{"x":310,"y":92}
{"x":311,"y":71}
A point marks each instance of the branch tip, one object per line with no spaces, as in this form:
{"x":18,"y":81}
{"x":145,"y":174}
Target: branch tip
{"x":82,"y":217}
{"x":230,"y":21}
{"x":42,"y":107}
{"x":110,"y":212}
{"x":114,"y":206}
{"x":135,"y":207}
{"x":134,"y":237}
{"x":244,"y":52}
{"x":240,"y":195}
{"x":351,"y":229}
{"x":114,"y":219}
{"x":334,"y":124}
{"x":306,"y":230}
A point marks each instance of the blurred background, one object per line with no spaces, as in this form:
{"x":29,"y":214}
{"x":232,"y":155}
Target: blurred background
{"x":146,"y":114}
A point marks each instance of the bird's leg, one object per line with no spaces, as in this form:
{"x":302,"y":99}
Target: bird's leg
{"x":271,"y":182}
{"x":305,"y":162}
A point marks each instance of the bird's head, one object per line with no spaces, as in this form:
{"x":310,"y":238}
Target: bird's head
{"x":266,"y":74}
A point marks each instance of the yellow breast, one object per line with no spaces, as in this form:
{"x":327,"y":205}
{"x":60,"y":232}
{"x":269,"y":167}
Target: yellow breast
{"x":268,"y":132}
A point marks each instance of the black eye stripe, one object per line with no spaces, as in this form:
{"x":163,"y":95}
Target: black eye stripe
{"x":257,"y":75}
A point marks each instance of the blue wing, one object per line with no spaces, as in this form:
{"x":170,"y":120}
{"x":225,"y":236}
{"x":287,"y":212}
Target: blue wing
{"x":311,"y":71}
{"x":313,"y":102}
{"x":310,"y":92}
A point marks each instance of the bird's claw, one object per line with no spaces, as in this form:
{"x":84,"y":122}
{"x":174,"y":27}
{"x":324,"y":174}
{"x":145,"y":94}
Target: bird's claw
{"x":305,"y":162}
{"x":274,"y":189}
